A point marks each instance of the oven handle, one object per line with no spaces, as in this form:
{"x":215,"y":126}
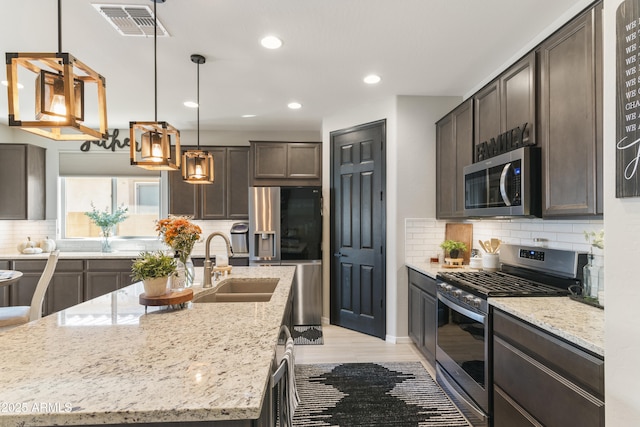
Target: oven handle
{"x":462,"y":310}
{"x":503,"y":184}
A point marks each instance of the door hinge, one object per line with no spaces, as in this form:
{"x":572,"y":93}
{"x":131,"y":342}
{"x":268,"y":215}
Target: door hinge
{"x":381,"y":196}
{"x":380,"y":250}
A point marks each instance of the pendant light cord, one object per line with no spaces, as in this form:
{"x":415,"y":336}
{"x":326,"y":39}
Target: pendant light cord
{"x":59,"y":26}
{"x":198,"y":101}
{"x":155,"y":60}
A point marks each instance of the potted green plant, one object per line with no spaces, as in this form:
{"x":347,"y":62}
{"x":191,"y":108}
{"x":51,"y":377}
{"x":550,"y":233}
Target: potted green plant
{"x":453,"y":247}
{"x":154,"y":269}
{"x":106,"y":221}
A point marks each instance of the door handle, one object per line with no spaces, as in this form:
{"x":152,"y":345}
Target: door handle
{"x":339,"y":255}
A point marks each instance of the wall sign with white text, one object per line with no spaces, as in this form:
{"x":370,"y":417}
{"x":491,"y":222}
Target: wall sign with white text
{"x":628,"y":99}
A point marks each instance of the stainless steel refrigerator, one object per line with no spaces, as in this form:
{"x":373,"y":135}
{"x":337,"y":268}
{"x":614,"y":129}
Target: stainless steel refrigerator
{"x":285,"y":228}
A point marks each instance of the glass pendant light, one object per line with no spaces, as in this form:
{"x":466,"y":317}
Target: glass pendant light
{"x":60,"y":81}
{"x":154,"y":138}
{"x":197,"y":165}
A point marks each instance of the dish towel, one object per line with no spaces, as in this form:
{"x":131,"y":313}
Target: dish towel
{"x":293,"y":399}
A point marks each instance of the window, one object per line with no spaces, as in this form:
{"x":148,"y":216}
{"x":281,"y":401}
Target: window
{"x":140,"y":194}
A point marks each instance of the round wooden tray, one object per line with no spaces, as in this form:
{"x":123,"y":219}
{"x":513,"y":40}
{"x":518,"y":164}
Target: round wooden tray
{"x":170,"y":298}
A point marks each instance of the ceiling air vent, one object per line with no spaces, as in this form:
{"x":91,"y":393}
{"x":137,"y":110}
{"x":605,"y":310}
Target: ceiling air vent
{"x":131,"y":20}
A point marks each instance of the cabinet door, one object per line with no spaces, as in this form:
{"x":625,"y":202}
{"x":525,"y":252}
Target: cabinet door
{"x":22,"y":291}
{"x":22,"y":181}
{"x":213,"y":196}
{"x":4,"y":290}
{"x":183,"y":197}
{"x":487,"y":113}
{"x":445,"y":165}
{"x":454,"y":145}
{"x":101,"y":282}
{"x":65,"y":290}
{"x":270,"y":160}
{"x":570,"y":131}
{"x":238,"y":182}
{"x":429,"y":308}
{"x":416,"y":323}
{"x":304,"y":161}
{"x":518,"y":96}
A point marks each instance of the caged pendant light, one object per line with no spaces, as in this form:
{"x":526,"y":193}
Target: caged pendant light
{"x":197,"y":165}
{"x":60,"y":81}
{"x":154,"y":138}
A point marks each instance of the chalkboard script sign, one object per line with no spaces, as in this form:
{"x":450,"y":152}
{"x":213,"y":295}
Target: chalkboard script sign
{"x":628,"y":99}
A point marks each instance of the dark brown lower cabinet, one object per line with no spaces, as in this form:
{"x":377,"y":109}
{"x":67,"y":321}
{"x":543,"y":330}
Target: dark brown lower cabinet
{"x":422,"y":314}
{"x":65,"y":288}
{"x":542,"y":380}
{"x":106,"y":275}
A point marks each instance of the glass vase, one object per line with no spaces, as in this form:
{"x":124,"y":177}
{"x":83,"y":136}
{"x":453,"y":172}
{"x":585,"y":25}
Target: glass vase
{"x":185,"y":272}
{"x":590,"y":280}
{"x":106,"y":240}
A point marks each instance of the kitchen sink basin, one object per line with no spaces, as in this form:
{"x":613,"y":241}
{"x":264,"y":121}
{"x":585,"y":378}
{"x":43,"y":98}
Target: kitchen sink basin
{"x":240,"y":290}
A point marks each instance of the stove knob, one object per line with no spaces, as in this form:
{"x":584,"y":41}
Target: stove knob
{"x":457,"y":293}
{"x":477,"y":302}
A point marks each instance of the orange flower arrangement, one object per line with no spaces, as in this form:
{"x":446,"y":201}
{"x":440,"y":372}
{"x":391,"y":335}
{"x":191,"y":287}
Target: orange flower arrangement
{"x":179,"y":233}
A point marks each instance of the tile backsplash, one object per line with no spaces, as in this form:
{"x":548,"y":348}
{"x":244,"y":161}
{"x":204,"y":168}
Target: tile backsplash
{"x":424,"y":235}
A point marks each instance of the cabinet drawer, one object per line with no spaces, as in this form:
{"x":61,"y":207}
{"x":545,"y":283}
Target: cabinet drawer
{"x":507,"y":413}
{"x":553,"y":399}
{"x":109,"y":264}
{"x":425,"y":283}
{"x":579,"y":366}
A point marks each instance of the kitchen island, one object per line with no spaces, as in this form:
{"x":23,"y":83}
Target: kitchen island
{"x":107,"y":362}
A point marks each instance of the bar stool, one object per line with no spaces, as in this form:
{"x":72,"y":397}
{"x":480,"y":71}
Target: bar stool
{"x":285,"y":397}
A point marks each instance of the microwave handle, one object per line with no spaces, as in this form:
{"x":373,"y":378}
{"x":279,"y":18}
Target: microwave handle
{"x":503,"y":184}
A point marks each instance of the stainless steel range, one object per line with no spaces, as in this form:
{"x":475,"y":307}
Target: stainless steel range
{"x":463,"y":365}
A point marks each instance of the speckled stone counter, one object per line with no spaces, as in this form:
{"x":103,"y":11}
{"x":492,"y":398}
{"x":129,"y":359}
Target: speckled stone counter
{"x":107,"y":362}
{"x":432,"y":269}
{"x":578,"y":323}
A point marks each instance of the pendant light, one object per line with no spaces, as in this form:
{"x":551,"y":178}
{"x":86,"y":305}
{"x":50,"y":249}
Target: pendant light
{"x":154,"y":138}
{"x":60,"y":81}
{"x":197,"y":165}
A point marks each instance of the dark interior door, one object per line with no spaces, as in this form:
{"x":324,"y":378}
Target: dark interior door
{"x":358,"y":229}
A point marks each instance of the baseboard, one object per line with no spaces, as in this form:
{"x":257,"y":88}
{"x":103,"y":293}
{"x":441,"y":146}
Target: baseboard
{"x":398,"y":340}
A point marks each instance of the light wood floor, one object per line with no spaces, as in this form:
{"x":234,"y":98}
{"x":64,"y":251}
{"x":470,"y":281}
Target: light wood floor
{"x":343,"y":345}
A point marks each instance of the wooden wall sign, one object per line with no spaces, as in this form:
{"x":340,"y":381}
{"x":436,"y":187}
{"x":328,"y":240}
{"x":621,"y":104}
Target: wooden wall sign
{"x":628,"y":99}
{"x":111,"y":143}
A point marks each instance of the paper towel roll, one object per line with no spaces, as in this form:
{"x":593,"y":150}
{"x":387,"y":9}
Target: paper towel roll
{"x":222,"y":261}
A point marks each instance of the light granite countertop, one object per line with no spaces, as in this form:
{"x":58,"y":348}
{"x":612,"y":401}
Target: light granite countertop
{"x":578,"y":323}
{"x":107,"y":362}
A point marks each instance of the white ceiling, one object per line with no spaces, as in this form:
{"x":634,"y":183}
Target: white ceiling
{"x":418,"y":47}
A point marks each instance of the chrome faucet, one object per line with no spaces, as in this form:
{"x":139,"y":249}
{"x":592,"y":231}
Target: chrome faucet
{"x":208,"y":269}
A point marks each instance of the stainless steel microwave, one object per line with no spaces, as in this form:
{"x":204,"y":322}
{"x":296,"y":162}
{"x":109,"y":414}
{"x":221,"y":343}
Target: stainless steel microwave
{"x":504,"y":185}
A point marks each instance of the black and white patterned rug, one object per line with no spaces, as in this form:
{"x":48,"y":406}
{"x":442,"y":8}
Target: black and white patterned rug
{"x":307,"y":335}
{"x":372,"y":394}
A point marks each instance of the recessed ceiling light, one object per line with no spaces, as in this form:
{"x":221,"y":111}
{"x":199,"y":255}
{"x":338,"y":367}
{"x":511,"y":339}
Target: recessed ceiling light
{"x":248,"y":116}
{"x":271,"y":42}
{"x":190,"y":104}
{"x":294,"y":105}
{"x":6,"y":83}
{"x":372,"y":79}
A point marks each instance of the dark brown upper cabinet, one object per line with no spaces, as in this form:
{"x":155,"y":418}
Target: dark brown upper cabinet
{"x":22,"y":181}
{"x":454,"y":142}
{"x":226,"y":198}
{"x":507,"y":103}
{"x":286,"y":163}
{"x":571,"y":117}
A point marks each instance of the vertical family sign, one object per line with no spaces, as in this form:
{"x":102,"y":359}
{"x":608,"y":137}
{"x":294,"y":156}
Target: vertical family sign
{"x":628,"y":99}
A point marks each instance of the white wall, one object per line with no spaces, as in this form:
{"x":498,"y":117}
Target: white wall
{"x":622,"y":231}
{"x":410,"y":185}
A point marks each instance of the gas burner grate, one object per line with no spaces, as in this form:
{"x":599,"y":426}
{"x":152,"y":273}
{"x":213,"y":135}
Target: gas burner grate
{"x":494,"y":284}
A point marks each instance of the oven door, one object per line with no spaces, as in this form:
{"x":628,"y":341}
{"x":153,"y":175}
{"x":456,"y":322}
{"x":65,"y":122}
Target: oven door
{"x":461,"y":356}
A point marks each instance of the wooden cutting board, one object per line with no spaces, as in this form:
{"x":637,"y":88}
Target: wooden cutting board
{"x":461,"y":233}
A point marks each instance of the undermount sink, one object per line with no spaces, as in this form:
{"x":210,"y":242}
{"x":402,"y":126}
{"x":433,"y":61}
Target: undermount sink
{"x":240,"y":290}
